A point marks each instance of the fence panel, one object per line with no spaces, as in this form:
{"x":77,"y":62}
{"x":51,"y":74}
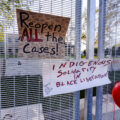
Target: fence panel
{"x":21,"y":96}
{"x":111,"y":50}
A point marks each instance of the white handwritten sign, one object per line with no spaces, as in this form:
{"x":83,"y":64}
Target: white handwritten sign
{"x":71,"y":76}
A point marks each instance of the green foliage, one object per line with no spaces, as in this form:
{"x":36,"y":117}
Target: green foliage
{"x":84,"y":27}
{"x":7,"y":10}
{"x":95,"y":51}
{"x":7,"y":13}
{"x":1,"y":33}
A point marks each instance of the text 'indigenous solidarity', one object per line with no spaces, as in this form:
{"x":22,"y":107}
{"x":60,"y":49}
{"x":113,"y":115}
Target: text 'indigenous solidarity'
{"x":77,"y":68}
{"x":77,"y":75}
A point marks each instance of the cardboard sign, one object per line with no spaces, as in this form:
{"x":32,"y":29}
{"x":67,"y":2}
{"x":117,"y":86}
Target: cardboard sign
{"x":41,"y":35}
{"x":65,"y":77}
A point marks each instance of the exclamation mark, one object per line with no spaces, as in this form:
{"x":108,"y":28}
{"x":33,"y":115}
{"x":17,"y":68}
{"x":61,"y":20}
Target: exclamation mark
{"x":53,"y":67}
{"x":57,"y":49}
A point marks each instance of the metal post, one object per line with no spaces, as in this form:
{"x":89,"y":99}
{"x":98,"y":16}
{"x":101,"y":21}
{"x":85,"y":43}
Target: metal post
{"x":77,"y":51}
{"x":90,"y":54}
{"x":1,"y":63}
{"x":101,"y":39}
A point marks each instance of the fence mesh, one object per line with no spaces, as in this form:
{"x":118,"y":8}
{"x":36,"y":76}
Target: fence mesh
{"x":22,"y":95}
{"x":112,"y":51}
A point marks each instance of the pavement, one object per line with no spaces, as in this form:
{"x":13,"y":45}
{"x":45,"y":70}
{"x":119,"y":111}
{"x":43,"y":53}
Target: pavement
{"x":108,"y":108}
{"x":35,"y":112}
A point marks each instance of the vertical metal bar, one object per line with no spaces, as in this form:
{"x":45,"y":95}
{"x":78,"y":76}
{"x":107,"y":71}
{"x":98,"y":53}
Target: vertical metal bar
{"x":27,"y":116}
{"x":78,"y":29}
{"x":1,"y":64}
{"x":91,"y":4}
{"x":101,"y":39}
{"x":77,"y":51}
{"x":90,"y":28}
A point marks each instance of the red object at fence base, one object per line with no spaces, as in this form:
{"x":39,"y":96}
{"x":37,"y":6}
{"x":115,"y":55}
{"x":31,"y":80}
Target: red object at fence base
{"x":116,"y":94}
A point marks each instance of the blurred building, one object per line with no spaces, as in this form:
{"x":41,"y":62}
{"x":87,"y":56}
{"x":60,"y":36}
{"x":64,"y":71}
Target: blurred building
{"x":11,"y":44}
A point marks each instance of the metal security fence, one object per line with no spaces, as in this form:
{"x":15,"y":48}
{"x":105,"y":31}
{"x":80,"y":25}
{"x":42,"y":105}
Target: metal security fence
{"x":21,"y":96}
{"x":112,"y":51}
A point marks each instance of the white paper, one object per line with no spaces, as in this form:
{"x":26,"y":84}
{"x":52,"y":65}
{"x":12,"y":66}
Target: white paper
{"x":17,"y":67}
{"x":70,"y":76}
